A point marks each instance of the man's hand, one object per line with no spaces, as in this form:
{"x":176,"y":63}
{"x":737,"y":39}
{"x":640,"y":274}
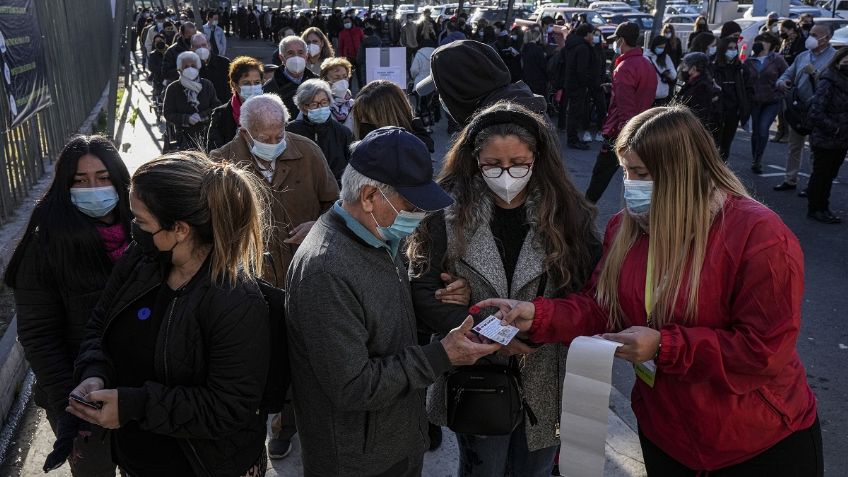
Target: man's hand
{"x":640,"y":343}
{"x":461,"y":350}
{"x":299,"y":233}
{"x":519,"y":314}
{"x":456,"y":290}
{"x":783,"y":86}
{"x":106,"y":417}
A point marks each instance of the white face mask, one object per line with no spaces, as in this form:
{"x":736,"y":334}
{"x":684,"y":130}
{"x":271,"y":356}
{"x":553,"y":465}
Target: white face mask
{"x":507,"y":187}
{"x":313,"y":49}
{"x":812,"y":43}
{"x":296,"y":65}
{"x":203,"y":53}
{"x":339,"y":88}
{"x":248,"y":91}
{"x":190,"y":73}
{"x":267,"y":152}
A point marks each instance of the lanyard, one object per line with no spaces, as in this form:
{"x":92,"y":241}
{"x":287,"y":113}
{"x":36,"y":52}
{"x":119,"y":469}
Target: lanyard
{"x":649,"y":290}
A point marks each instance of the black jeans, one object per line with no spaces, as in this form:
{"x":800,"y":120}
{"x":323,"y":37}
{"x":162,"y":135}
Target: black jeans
{"x":798,"y":455}
{"x":725,"y":132}
{"x":605,"y":166}
{"x":826,"y":164}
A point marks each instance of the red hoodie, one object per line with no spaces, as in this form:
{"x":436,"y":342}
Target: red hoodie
{"x":634,"y":87}
{"x":731,"y":385}
{"x":349,"y":41}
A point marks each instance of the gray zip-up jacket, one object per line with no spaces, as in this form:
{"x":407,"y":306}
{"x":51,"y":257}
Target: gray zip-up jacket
{"x":358,"y":376}
{"x":800,"y":78}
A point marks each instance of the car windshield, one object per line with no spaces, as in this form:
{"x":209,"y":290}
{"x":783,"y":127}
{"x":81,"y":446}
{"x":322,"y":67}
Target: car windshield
{"x":595,"y":19}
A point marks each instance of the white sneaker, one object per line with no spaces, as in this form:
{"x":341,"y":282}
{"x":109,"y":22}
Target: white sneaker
{"x":587,"y":136}
{"x":599,"y":137}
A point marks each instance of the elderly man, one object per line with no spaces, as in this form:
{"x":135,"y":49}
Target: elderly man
{"x":292,"y":52}
{"x":215,"y":68}
{"x":301,"y":187}
{"x":183,"y":43}
{"x":215,"y":34}
{"x":360,"y":384}
{"x":189,"y":103}
{"x":801,"y":75}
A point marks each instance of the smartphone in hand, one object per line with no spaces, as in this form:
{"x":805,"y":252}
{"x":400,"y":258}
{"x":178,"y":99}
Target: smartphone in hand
{"x":86,"y":402}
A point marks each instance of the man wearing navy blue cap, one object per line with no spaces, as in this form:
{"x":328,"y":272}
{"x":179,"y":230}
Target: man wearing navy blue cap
{"x":359,"y":377}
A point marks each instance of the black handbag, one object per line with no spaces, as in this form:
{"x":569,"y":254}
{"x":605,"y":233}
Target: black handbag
{"x":488,"y":399}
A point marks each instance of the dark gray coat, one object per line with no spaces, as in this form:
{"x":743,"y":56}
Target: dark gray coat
{"x":829,"y":111}
{"x":359,"y":377}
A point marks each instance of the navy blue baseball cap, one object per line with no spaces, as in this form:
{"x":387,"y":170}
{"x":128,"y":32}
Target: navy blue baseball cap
{"x":397,"y":158}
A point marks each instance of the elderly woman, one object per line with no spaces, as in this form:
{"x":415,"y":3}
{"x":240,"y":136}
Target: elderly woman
{"x":245,"y":77}
{"x":337,"y":72}
{"x":189,"y":103}
{"x":313,"y":100}
{"x":318,"y":49}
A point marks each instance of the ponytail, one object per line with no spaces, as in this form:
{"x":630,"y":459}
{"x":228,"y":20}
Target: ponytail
{"x":237,"y":214}
{"x":224,"y":205}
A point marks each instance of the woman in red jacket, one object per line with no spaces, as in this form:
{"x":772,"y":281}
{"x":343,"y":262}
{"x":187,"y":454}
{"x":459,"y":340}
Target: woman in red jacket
{"x":707,"y":283}
{"x":350,"y":39}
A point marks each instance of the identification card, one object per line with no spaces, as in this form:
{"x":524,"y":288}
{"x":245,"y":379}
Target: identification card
{"x":647,"y":372}
{"x":492,"y":328}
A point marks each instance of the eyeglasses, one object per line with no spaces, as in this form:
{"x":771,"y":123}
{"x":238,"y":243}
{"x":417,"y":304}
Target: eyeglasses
{"x":318,"y":104}
{"x":516,"y":172}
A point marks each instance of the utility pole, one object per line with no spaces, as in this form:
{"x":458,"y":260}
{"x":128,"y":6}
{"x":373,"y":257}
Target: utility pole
{"x":118,"y":28}
{"x":658,"y":19}
{"x":195,"y":6}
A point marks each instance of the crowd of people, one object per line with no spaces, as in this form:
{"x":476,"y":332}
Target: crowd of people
{"x":151,"y":307}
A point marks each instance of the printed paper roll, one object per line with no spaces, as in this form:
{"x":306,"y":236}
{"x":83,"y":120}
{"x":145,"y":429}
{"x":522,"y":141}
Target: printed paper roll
{"x":585,"y":404}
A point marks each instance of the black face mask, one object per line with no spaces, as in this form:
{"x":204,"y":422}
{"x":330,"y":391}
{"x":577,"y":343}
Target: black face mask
{"x":683,"y":75}
{"x":160,"y":46}
{"x":757,"y":48}
{"x":145,"y":243}
{"x":807,"y":26}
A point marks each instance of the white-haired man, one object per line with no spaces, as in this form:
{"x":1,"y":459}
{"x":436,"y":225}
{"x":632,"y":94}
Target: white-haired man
{"x":359,"y":375}
{"x":293,"y":53}
{"x":216,"y":68}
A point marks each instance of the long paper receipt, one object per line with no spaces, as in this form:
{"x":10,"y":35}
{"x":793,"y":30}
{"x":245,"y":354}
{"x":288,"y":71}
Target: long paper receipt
{"x":585,"y":404}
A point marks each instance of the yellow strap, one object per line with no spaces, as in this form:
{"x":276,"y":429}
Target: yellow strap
{"x":649,"y":291}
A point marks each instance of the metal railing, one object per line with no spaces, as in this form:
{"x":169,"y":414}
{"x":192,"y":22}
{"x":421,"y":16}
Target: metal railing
{"x":77,"y":44}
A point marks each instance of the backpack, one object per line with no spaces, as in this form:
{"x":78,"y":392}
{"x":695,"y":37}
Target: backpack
{"x":279,"y":369}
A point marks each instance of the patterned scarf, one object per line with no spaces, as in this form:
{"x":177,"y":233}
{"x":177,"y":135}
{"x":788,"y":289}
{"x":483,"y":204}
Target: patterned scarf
{"x":341,"y":107}
{"x":114,"y":239}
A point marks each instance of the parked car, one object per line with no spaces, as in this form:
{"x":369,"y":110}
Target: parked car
{"x":592,"y":17}
{"x":840,"y":38}
{"x":680,"y":19}
{"x":841,"y":7}
{"x":605,"y":5}
{"x":645,"y":21}
{"x":496,"y":14}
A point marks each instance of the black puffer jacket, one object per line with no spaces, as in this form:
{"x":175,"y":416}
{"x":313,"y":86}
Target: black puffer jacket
{"x":222,"y":127}
{"x":732,"y":80}
{"x":333,"y":139}
{"x":52,"y":315}
{"x":829,"y":111}
{"x":212,"y":355}
{"x":700,"y":96}
{"x":579,"y":64}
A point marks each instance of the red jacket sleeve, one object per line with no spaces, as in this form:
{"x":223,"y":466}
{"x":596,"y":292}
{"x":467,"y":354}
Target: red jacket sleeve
{"x":765,"y":317}
{"x":560,"y":320}
{"x":623,"y":104}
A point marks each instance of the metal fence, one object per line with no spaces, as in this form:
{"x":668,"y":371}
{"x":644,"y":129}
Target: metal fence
{"x":77,"y":46}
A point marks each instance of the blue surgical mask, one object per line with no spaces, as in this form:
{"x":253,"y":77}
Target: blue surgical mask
{"x":596,"y":40}
{"x":403,"y":226}
{"x":248,"y":91}
{"x":267,"y":152}
{"x":319,"y":115}
{"x":616,"y":48}
{"x":637,"y":196}
{"x":659,"y":50}
{"x":731,"y":54}
{"x":95,"y":202}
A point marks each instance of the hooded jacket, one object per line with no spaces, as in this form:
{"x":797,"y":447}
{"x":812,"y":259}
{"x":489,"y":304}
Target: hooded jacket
{"x":485,"y":80}
{"x":578,"y":63}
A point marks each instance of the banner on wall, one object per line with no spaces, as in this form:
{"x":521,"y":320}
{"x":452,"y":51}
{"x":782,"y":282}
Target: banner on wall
{"x":22,"y":61}
{"x":386,"y":64}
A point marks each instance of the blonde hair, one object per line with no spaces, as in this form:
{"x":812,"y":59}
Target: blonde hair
{"x":686,"y":170}
{"x":223,"y":204}
{"x":326,"y":49}
{"x":381,"y":103}
{"x":334,"y":62}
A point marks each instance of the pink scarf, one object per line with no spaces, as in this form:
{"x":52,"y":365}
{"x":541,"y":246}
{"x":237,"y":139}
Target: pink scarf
{"x":235,"y":101}
{"x":115,"y":240}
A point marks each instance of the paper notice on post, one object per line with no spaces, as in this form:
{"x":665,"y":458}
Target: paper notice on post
{"x":585,"y":404}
